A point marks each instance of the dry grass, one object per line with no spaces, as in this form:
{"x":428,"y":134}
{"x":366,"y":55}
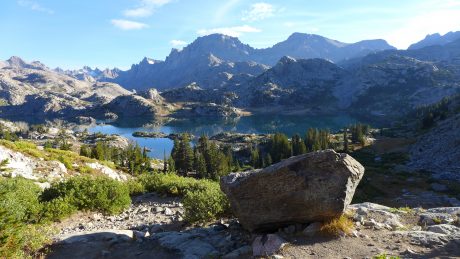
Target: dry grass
{"x":338,"y":226}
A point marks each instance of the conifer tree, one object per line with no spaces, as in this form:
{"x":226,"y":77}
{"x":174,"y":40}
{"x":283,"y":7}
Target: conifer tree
{"x":298,"y":146}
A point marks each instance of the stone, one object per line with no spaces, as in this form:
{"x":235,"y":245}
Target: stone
{"x":291,"y":190}
{"x":368,"y":206}
{"x":267,"y":245}
{"x":188,"y":244}
{"x":312,"y":229}
{"x":243,"y":251}
{"x":447,"y":210}
{"x":433,"y":218}
{"x":394,"y":223}
{"x":444,"y":229}
{"x":289,"y":229}
{"x":168,"y":212}
{"x":99,"y":235}
{"x":426,"y":238}
{"x":140,"y":234}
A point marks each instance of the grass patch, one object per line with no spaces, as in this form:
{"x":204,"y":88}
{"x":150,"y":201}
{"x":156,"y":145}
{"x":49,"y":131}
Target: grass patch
{"x":68,"y":158}
{"x":401,"y":210}
{"x":337,"y":226}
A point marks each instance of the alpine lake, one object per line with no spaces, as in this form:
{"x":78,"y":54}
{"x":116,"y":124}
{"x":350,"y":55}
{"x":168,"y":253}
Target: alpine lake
{"x":258,"y":124}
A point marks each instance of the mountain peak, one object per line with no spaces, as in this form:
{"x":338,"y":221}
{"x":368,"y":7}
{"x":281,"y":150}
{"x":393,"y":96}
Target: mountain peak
{"x":16,"y":61}
{"x":149,"y":61}
{"x":436,"y":39}
{"x":286,"y":60}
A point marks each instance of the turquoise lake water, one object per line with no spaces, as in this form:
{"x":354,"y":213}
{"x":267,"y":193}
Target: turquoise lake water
{"x":288,"y":125}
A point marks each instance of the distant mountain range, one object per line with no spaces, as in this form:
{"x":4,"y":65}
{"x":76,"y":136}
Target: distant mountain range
{"x":218,"y":60}
{"x":213,"y":61}
{"x":436,"y":39}
{"x":304,"y":74}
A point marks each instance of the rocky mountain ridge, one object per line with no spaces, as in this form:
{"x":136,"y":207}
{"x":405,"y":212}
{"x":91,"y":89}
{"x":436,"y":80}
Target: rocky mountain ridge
{"x":436,"y":39}
{"x":213,"y":60}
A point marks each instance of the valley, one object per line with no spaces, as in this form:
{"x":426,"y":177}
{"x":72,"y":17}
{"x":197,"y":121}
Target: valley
{"x":311,"y":148}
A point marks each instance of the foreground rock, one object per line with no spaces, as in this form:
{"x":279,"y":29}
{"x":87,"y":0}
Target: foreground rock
{"x":307,"y":188}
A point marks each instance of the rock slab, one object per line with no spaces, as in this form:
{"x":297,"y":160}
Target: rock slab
{"x":308,"y":188}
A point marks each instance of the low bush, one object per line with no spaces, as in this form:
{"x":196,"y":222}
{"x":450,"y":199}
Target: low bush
{"x":58,"y":209}
{"x":135,"y":187}
{"x":205,"y":205}
{"x":21,"y":213}
{"x":91,"y":193}
{"x":66,"y":161}
{"x":203,"y":199}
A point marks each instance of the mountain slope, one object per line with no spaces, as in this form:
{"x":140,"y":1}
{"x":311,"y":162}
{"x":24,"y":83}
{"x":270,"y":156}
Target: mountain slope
{"x":436,"y":39}
{"x":213,"y":60}
{"x":299,"y":84}
{"x":184,"y":67}
{"x":33,"y":89}
{"x":300,"y":45}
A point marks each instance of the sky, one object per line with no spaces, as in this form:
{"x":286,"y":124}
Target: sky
{"x":117,"y":33}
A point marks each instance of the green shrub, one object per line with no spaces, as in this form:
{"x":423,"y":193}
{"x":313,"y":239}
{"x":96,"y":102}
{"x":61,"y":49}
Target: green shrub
{"x":205,"y":205}
{"x":24,"y":241}
{"x":203,"y":199}
{"x":135,"y":187}
{"x":19,"y":200}
{"x":85,"y":169}
{"x":58,"y":209}
{"x":66,"y":161}
{"x":91,"y":193}
{"x":20,"y":210}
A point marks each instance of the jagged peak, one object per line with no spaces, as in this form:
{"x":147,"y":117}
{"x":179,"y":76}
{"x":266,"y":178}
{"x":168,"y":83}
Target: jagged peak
{"x":16,"y":61}
{"x":286,"y":60}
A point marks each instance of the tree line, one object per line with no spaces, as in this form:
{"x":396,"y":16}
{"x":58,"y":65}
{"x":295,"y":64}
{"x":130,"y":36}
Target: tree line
{"x":132,"y":159}
{"x":206,"y":159}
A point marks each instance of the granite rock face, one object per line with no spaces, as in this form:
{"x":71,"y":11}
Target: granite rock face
{"x":308,"y":188}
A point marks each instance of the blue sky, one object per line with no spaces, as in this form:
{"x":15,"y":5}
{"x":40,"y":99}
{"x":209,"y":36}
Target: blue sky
{"x":118,"y":33}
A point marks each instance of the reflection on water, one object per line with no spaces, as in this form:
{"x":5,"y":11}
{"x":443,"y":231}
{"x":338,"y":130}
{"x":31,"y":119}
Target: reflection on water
{"x":211,"y":126}
{"x":266,"y":123}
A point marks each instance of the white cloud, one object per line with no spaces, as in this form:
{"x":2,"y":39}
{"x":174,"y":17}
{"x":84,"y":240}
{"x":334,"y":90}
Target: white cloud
{"x":178,"y":43}
{"x":258,"y":11}
{"x":128,"y":25}
{"x":138,"y":12}
{"x":145,"y":8}
{"x":235,"y":31}
{"x":416,"y":28}
{"x":32,"y":5}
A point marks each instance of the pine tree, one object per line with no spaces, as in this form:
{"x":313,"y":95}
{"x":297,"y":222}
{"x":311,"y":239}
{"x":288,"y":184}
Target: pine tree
{"x":165,"y":162}
{"x":255,"y":158}
{"x":268,"y":159}
{"x":345,"y":140}
{"x":171,"y":165}
{"x":298,"y":146}
{"x":280,"y":148}
{"x":200,"y":165}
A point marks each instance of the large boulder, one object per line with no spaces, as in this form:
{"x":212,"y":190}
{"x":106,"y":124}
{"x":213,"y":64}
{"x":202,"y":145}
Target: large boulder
{"x":308,"y":188}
